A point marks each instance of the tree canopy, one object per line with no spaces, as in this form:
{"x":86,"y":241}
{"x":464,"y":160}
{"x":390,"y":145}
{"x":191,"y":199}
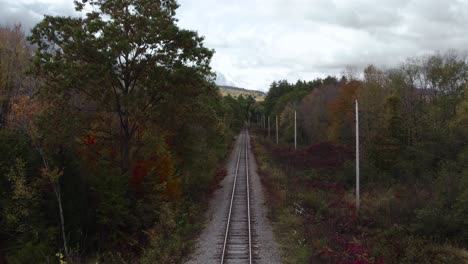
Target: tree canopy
{"x":124,"y":58}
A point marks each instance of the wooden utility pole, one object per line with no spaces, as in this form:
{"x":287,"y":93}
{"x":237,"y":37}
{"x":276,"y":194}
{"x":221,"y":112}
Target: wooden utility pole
{"x":276,"y":129}
{"x":295,"y":131}
{"x":268,"y":126}
{"x":357,"y":157}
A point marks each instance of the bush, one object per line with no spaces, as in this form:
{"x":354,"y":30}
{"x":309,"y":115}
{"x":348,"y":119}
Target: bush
{"x":314,"y":200}
{"x":460,"y":214}
{"x":112,"y":208}
{"x":31,"y":252}
{"x":397,"y":245}
{"x":293,"y":246}
{"x":421,"y":251}
{"x":442,"y":217}
{"x":168,"y":236}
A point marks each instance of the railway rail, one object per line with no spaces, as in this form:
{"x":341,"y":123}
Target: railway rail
{"x":237,"y":245}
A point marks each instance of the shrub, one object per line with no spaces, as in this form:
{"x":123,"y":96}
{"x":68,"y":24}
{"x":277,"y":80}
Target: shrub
{"x":112,"y":208}
{"x":168,"y":243}
{"x":314,"y":200}
{"x":31,"y":252}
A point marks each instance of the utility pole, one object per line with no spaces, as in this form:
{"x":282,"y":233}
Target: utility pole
{"x":276,"y":129}
{"x":268,"y":126}
{"x":357,"y":157}
{"x":295,"y":131}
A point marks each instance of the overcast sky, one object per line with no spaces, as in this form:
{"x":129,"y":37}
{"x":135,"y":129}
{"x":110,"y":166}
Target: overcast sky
{"x":259,"y":41}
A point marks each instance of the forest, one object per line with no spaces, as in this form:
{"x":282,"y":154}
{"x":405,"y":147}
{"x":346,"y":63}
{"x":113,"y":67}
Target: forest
{"x":111,"y":136}
{"x":413,"y":135}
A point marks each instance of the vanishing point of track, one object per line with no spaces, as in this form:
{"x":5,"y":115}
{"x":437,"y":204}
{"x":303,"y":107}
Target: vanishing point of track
{"x":237,"y":246}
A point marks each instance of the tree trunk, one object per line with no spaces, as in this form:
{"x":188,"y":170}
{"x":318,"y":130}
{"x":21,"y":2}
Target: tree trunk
{"x":62,"y":220}
{"x":125,"y":162}
{"x":58,"y":196}
{"x":125,"y":145}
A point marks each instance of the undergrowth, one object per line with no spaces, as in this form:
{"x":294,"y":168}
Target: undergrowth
{"x":314,"y":215}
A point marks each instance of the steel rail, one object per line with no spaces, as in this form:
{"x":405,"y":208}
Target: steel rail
{"x":243,"y":146}
{"x":230,"y":206}
{"x":248,"y":192}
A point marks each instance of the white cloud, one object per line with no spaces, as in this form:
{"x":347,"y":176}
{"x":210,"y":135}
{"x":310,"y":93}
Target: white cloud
{"x":259,"y":41}
{"x":29,"y":12}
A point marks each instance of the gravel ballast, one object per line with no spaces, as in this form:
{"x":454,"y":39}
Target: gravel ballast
{"x":209,"y":244}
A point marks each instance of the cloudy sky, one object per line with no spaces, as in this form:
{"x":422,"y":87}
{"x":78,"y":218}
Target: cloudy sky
{"x":259,"y":41}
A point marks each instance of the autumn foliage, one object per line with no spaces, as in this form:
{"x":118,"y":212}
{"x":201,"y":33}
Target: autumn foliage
{"x":325,"y":157}
{"x":112,"y":122}
{"x":158,"y":171}
{"x":413,"y":160}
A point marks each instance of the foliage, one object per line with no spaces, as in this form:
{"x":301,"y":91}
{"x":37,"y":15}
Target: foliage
{"x":30,"y":253}
{"x":168,"y":245}
{"x":14,"y":59}
{"x":124,"y":59}
{"x":314,"y":107}
{"x":413,"y":163}
{"x":24,"y":198}
{"x":111,"y":146}
{"x":296,"y":91}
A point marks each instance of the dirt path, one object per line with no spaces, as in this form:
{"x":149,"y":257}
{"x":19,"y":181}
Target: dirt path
{"x":210,"y":242}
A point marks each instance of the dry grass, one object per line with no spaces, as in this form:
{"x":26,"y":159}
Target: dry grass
{"x":315,"y":221}
{"x":236,"y":92}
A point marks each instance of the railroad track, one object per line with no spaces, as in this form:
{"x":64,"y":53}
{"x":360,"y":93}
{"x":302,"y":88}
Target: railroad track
{"x":237,"y":245}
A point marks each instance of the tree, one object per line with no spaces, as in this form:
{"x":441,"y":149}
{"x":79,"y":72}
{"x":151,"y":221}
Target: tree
{"x":286,"y":122}
{"x":313,"y":110}
{"x":341,"y":113}
{"x":122,"y":60}
{"x":371,"y":98}
{"x":277,"y":89}
{"x":22,"y":118}
{"x":24,"y":198}
{"x":14,"y":59}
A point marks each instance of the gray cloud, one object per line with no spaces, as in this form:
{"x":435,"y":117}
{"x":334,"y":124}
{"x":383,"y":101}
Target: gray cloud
{"x":30,"y":12}
{"x":221,"y":79}
{"x":267,"y":40}
{"x":258,"y":41}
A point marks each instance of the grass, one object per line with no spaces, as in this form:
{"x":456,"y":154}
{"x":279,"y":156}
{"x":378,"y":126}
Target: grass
{"x":315,"y":221}
{"x":236,"y":92}
{"x":287,"y":224}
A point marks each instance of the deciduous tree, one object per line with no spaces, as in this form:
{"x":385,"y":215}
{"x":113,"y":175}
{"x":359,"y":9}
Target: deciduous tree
{"x":122,"y":59}
{"x":14,"y":60}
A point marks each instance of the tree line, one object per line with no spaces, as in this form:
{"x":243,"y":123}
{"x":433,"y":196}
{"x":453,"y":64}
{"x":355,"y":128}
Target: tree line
{"x":111,"y":132}
{"x":413,"y":137}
